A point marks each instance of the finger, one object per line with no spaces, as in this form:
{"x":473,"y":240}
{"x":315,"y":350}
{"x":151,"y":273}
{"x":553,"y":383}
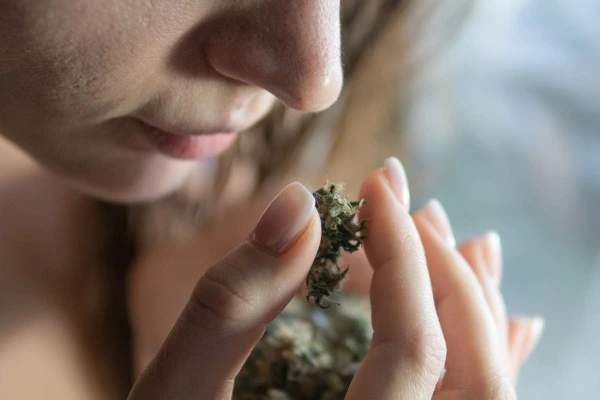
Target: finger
{"x":473,"y":359}
{"x":517,"y":328}
{"x":534,"y":334}
{"x":231,"y":304}
{"x":407,"y":352}
{"x":492,"y":253}
{"x":360,"y":272}
{"x":435,"y":215}
{"x":523,"y":337}
{"x":479,"y":256}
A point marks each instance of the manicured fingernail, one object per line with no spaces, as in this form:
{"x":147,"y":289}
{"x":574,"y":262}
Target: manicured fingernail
{"x":536,"y":329}
{"x":396,"y":177}
{"x":285,"y":219}
{"x":492,"y":252}
{"x":439,"y":219}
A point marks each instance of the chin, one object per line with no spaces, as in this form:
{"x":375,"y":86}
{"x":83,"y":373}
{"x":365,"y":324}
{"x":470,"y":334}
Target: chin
{"x":136,"y":186}
{"x":128,"y":196}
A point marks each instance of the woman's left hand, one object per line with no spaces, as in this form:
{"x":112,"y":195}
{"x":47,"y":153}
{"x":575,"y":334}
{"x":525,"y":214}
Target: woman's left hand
{"x":472,"y":272}
{"x":484,"y":344}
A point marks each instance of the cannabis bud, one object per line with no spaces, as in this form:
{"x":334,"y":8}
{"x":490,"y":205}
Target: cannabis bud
{"x":339,"y":231}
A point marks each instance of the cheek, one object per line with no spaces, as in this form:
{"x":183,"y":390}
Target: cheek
{"x":68,"y":69}
{"x":67,"y":63}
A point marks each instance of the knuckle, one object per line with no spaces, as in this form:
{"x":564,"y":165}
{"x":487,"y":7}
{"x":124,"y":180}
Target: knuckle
{"x":484,"y":388}
{"x":499,"y":388}
{"x":427,"y":347}
{"x":154,"y":379}
{"x":223,"y":297}
{"x":160,"y":367}
{"x":407,"y":249}
{"x":411,"y":246}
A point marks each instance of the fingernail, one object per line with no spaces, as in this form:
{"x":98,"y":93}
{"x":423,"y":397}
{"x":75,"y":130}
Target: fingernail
{"x":536,"y":329}
{"x":396,"y":177}
{"x":285,"y":219}
{"x":492,"y":252}
{"x":439,"y":219}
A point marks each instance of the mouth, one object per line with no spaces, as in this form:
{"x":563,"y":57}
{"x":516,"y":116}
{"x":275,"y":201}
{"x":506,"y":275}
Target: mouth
{"x":189,"y":145}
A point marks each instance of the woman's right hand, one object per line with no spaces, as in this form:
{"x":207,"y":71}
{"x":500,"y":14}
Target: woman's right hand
{"x":232,"y":303}
{"x":239,"y":295}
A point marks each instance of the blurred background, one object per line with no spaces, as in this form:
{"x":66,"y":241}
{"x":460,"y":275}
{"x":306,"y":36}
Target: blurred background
{"x":505,"y":133}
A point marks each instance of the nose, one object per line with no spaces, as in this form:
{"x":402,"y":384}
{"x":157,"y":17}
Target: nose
{"x":290,"y":48}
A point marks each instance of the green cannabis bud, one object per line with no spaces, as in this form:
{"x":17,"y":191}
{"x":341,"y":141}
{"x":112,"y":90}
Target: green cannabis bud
{"x":339,"y":231}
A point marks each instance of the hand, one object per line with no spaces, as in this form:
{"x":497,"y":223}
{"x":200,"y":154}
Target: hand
{"x":467,"y":282}
{"x":236,"y":297}
{"x":234,"y":300}
{"x":485,"y":349}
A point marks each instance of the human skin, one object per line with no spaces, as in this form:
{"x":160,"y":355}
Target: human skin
{"x":80,"y":79}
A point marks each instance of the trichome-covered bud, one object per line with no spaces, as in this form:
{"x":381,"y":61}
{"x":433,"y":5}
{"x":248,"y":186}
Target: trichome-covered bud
{"x":339,"y":231}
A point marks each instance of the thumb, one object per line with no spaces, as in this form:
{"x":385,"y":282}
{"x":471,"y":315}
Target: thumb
{"x":233,"y":301}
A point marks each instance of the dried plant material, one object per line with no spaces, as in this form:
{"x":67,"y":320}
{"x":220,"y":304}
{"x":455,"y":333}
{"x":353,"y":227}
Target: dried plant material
{"x":339,"y":231}
{"x":308,"y":353}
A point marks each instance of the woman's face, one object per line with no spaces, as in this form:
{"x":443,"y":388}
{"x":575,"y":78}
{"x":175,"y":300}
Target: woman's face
{"x":121,"y":96}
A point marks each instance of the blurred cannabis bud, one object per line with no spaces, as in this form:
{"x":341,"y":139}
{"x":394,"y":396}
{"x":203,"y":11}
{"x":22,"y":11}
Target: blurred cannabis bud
{"x":339,"y":231}
{"x":308,"y":353}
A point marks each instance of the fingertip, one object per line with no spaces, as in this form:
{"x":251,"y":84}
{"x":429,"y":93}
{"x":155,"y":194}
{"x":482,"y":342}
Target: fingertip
{"x":284,"y":220}
{"x":437,"y":216}
{"x":538,"y":324}
{"x":535,"y":331}
{"x":397,"y":258}
{"x":390,"y":181}
{"x":251,"y":285}
{"x":307,"y":241}
{"x":493,"y":241}
{"x":429,"y":233}
{"x":517,"y":329}
{"x":473,"y":254}
{"x":394,"y":172}
{"x":470,"y":246}
{"x":492,"y":251}
{"x":371,"y":185}
{"x":389,"y":226}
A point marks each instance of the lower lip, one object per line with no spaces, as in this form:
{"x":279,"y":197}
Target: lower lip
{"x":189,"y":147}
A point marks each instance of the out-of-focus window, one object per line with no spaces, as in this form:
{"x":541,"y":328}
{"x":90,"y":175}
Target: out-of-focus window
{"x":506,"y":131}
